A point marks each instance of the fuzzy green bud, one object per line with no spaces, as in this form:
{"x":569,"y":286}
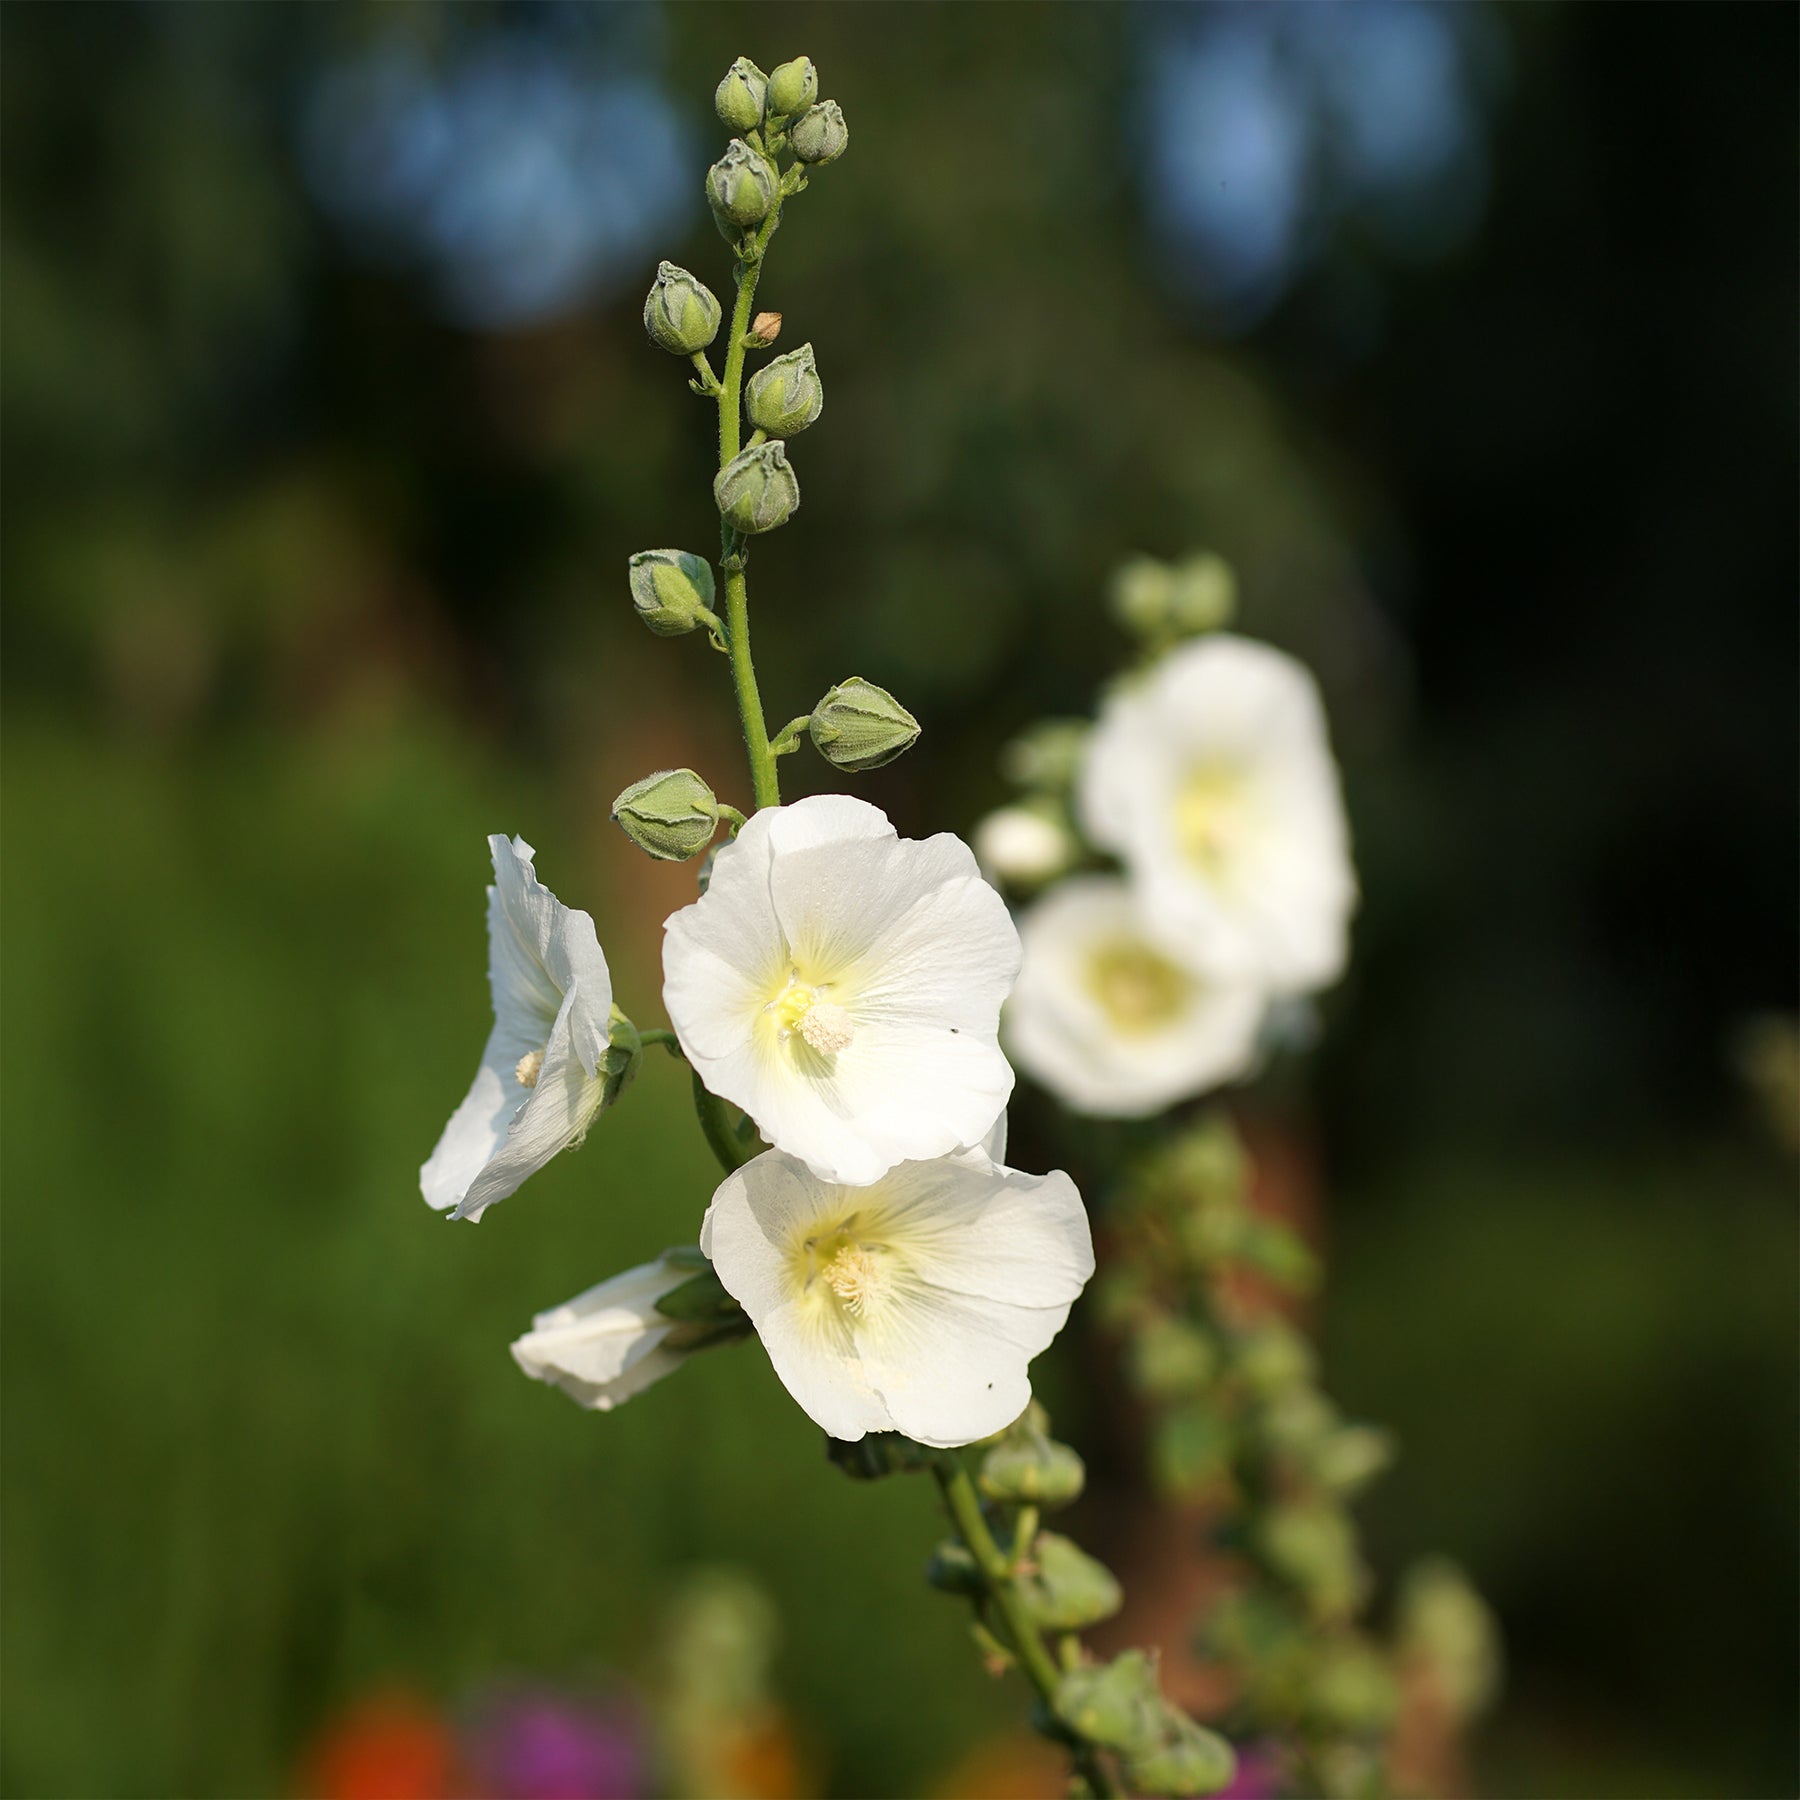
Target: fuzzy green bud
{"x":793,"y":87}
{"x":758,"y":489}
{"x":861,"y":726}
{"x":1067,"y":1590}
{"x":681,"y":313}
{"x":1048,"y":755}
{"x":1140,"y":592}
{"x":672,"y":814}
{"x":738,"y":99}
{"x":784,"y":396}
{"x":819,"y":135}
{"x":1203,"y":594}
{"x":1312,"y":1546}
{"x":1115,"y":1704}
{"x":741,"y":186}
{"x":1446,"y":1629}
{"x":1028,"y":1468}
{"x":1171,"y":1358}
{"x":671,"y":590}
{"x":1188,"y":1759}
{"x":1353,"y":1691}
{"x":952,"y":1570}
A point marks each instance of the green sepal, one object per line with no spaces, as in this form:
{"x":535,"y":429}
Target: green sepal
{"x":878,"y":1454}
{"x":953,"y":1570}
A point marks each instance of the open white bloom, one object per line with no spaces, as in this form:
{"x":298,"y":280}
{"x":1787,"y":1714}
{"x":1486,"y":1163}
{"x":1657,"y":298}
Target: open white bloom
{"x":1110,"y":1023}
{"x":609,"y":1343}
{"x":1213,"y":781}
{"x":913,"y":1305}
{"x":843,"y":986}
{"x":540,"y":1082}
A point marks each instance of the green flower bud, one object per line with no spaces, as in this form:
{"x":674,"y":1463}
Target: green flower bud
{"x":1446,"y":1629}
{"x":1068,"y":1590}
{"x":681,"y":313}
{"x":738,"y":99}
{"x":784,"y":395}
{"x":1202,"y":594}
{"x":793,"y":87}
{"x":1191,"y":1447}
{"x":1312,"y":1546}
{"x":671,"y":814}
{"x":875,"y":1454}
{"x":1273,"y":1356}
{"x":953,"y":1570}
{"x":1028,"y":1468}
{"x":1189,"y":1759}
{"x":1170,"y":1358}
{"x":1116,"y":1704}
{"x":861,"y":726}
{"x":1046,"y":756}
{"x":741,"y":186}
{"x":758,"y":489}
{"x":819,"y":135}
{"x":671,"y":590}
{"x":1348,"y":1460}
{"x":702,"y":1297}
{"x":1140,"y":592}
{"x":1353,"y":1691}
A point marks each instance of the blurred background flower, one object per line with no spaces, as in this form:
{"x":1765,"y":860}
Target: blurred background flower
{"x":328,"y":429}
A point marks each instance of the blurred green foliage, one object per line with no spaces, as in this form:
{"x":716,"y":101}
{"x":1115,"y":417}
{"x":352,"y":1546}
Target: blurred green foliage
{"x":306,"y":590}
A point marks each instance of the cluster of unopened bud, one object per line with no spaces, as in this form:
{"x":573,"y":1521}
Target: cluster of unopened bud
{"x":744,"y":186}
{"x":1121,"y":1705}
{"x":671,"y":815}
{"x":1160,"y":601}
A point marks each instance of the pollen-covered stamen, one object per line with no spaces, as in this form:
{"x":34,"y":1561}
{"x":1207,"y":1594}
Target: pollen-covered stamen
{"x":823,"y":1025}
{"x":856,"y":1275}
{"x":527,"y":1069}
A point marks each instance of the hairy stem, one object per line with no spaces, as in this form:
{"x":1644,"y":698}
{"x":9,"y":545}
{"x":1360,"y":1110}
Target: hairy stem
{"x":765,"y":782}
{"x":1025,"y":1641}
{"x":719,"y":1129}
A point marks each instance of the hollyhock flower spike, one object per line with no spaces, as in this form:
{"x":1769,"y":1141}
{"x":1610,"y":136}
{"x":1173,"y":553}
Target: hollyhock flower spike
{"x":842,"y":985}
{"x":542,"y":1077}
{"x":1213,"y":782}
{"x":1107,"y":1021}
{"x":913,"y":1305}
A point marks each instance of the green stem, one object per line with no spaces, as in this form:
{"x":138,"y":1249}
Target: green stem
{"x":765,"y":782}
{"x":721,"y":1135}
{"x":657,"y":1035}
{"x":997,"y":1572}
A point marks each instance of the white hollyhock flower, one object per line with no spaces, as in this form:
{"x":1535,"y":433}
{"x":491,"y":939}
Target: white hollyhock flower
{"x":609,"y":1343}
{"x":913,"y":1305}
{"x":843,"y":986}
{"x":1110,"y":1023}
{"x":541,"y":1079}
{"x":1213,"y":781}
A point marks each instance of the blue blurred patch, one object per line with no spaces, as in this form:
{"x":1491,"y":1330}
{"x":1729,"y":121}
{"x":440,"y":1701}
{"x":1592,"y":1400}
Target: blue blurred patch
{"x":1271,"y":127}
{"x":523,"y":172}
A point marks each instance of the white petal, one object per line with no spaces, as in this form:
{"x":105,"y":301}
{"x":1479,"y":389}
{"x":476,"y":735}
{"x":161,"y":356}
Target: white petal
{"x":540,"y":952}
{"x":554,"y":1115}
{"x":608,"y":1343}
{"x":478,"y":1126}
{"x":969,"y":1227}
{"x":950,"y":1369}
{"x":1062,"y":1036}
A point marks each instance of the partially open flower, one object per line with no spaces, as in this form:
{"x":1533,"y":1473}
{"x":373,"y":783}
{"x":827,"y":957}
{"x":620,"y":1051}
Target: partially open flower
{"x":914,"y":1305}
{"x":843,"y":986}
{"x":611,"y":1342}
{"x":541,"y":1079}
{"x":1106,"y":1020}
{"x":1213,"y":781}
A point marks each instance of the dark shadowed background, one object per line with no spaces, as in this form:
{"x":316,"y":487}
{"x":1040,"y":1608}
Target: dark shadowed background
{"x":1465,"y":332}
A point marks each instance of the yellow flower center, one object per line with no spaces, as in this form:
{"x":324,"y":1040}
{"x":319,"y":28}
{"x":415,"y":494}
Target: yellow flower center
{"x":1209,"y":815}
{"x":857,"y":1271}
{"x":822,"y":1024}
{"x":1138,"y":988}
{"x":527,"y":1069}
